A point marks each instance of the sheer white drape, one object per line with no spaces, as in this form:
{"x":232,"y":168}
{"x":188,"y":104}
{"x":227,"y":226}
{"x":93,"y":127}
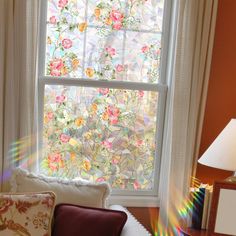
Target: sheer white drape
{"x":186,"y":101}
{"x":18,"y":55}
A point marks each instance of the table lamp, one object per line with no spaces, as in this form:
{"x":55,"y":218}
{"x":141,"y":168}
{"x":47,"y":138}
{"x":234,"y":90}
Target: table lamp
{"x":222,"y":152}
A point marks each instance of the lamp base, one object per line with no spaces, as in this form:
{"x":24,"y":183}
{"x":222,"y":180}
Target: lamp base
{"x":231,"y":179}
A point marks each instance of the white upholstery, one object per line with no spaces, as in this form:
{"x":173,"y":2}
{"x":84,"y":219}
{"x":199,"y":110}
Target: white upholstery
{"x":132,"y":226}
{"x":77,"y":192}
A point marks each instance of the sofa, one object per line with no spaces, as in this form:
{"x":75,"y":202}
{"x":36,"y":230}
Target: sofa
{"x":132,"y":226}
{"x":36,"y":202}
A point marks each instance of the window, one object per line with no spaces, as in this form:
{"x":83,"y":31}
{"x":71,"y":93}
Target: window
{"x":102,"y":91}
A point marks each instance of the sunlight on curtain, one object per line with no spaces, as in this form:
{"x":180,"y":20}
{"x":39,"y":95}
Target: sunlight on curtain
{"x":18,"y":54}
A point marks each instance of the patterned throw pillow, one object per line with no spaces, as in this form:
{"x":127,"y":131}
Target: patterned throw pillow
{"x":26,"y":214}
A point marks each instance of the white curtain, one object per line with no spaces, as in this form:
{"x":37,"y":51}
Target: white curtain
{"x":18,"y":54}
{"x":186,"y":102}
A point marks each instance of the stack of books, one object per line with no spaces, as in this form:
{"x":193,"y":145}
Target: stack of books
{"x":201,"y":199}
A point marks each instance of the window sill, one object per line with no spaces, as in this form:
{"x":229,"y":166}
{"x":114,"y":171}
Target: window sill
{"x":134,"y":201}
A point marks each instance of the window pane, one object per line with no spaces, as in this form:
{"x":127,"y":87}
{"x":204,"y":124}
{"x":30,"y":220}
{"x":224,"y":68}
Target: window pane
{"x":100,"y":13}
{"x":65,"y":38}
{"x":143,"y":56}
{"x":100,"y":134}
{"x":128,"y":14}
{"x":103,"y":57}
{"x":104,"y":39}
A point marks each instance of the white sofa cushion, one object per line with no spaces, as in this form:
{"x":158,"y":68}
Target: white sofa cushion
{"x":132,"y":226}
{"x":79,"y":192}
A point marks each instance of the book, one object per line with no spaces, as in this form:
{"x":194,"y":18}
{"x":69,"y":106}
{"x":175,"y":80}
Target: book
{"x":205,"y":208}
{"x":206,"y":204}
{"x":198,"y":205}
{"x":209,"y":208}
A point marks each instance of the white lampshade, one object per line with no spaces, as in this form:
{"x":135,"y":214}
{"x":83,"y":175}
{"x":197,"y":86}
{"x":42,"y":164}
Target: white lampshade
{"x":222,"y":152}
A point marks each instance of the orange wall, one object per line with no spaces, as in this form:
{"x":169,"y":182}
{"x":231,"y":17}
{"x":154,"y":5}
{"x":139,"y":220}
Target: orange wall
{"x":221,"y":99}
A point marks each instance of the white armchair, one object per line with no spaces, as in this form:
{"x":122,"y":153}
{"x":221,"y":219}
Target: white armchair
{"x":132,"y":226}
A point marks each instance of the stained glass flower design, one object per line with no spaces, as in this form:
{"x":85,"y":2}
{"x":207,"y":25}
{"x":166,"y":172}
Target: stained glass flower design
{"x":100,"y":134}
{"x":80,"y":34}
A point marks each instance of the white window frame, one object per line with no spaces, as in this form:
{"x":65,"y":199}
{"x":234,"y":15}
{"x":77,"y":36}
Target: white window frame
{"x":143,"y":198}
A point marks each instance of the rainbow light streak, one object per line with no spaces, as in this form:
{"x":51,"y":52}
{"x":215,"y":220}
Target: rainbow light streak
{"x":178,"y":215}
{"x":5,"y":175}
{"x":20,"y":154}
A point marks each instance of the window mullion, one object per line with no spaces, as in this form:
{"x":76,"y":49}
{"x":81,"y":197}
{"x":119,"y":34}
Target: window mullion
{"x":126,"y":29}
{"x":105,"y":84}
{"x":85,"y":39}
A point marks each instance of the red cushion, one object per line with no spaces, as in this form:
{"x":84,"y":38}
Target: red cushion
{"x":72,"y":220}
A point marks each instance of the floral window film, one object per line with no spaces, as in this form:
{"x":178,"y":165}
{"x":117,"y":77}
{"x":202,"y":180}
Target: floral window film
{"x":100,"y":134}
{"x":112,"y":40}
{"x":99,"y":118}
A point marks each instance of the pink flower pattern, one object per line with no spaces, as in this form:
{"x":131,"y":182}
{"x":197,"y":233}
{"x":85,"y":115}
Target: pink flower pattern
{"x":62,"y":3}
{"x":145,"y":49}
{"x":113,"y":111}
{"x":66,"y":43}
{"x":103,"y":91}
{"x":99,"y":180}
{"x":111,"y":51}
{"x":53,"y":20}
{"x":136,"y":185}
{"x":117,"y":25}
{"x":140,"y":93}
{"x":55,"y":67}
{"x":116,"y":16}
{"x":50,"y":115}
{"x":60,"y":98}
{"x":64,"y":138}
{"x":55,"y":158}
{"x":107,"y":144}
{"x":119,"y":68}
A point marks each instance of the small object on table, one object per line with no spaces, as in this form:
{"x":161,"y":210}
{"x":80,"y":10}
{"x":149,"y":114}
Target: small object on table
{"x":198,"y":204}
